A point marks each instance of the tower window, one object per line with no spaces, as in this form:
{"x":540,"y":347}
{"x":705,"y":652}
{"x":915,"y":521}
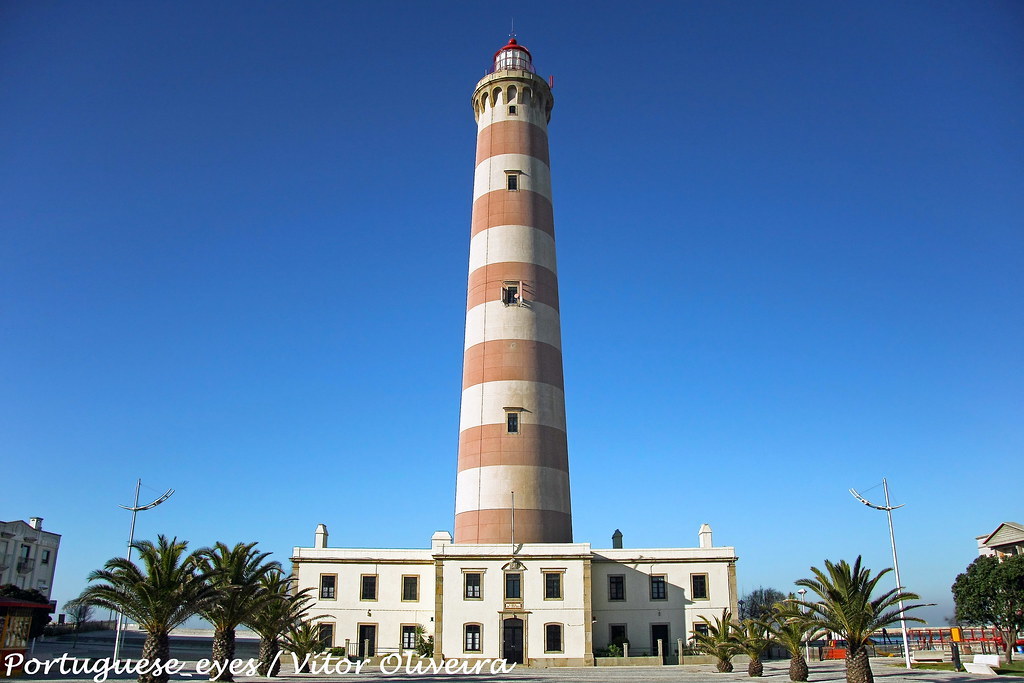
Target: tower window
{"x":512,"y":110}
{"x":512,"y":293}
{"x":512,"y":422}
{"x":512,"y":181}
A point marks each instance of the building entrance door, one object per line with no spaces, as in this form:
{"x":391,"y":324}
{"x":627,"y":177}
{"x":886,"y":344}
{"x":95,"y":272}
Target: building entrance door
{"x":512,"y":640}
{"x":367,"y":640}
{"x":660,"y":632}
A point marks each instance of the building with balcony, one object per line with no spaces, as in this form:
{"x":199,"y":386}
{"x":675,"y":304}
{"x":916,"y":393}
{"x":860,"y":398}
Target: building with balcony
{"x":28,"y":555}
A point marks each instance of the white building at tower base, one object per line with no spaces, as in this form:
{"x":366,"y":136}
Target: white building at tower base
{"x":547,"y":605}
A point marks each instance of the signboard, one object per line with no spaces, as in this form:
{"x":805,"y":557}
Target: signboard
{"x":957,"y":634}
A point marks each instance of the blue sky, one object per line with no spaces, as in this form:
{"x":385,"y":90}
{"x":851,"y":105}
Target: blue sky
{"x":234,"y":242}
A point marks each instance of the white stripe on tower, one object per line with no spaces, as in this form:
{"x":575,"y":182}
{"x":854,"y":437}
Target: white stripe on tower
{"x":513,"y":359}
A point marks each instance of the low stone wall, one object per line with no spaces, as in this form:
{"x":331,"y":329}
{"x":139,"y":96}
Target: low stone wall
{"x":627,"y":661}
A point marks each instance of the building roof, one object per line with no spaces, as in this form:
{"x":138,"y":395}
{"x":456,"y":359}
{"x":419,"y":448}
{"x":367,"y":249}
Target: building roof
{"x":1007,"y":532}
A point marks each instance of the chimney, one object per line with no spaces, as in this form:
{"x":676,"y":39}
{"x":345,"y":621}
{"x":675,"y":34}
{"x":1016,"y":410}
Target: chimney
{"x":617,"y":540}
{"x":36,"y":523}
{"x":321,"y":536}
{"x":705,"y":536}
{"x":439,"y":540}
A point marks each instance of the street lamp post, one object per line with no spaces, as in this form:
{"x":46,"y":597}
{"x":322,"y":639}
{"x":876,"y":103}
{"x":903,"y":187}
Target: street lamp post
{"x":807,"y":641}
{"x":135,"y":510}
{"x":895,"y":561}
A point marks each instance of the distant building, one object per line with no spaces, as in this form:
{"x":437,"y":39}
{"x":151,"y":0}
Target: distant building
{"x":28,"y":555}
{"x":1007,"y":539}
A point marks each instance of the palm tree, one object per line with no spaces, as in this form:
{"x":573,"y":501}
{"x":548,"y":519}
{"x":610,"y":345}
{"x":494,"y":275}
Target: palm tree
{"x":235,"y":574}
{"x":790,"y":628}
{"x":846,"y":608}
{"x":168,"y":589}
{"x":276,"y":617}
{"x":302,"y":640}
{"x":718,"y":641}
{"x":752,"y":638}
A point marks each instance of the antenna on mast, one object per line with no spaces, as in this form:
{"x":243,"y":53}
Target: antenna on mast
{"x":512,"y":33}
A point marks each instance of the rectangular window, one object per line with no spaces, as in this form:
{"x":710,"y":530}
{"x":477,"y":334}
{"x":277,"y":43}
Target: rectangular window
{"x":513,"y":586}
{"x":472,"y":638}
{"x":368,"y":587}
{"x":659,"y":588}
{"x":512,"y":182}
{"x":512,"y":293}
{"x":553,"y":638}
{"x":552,"y":585}
{"x":617,"y":634}
{"x":616,"y":587}
{"x":46,"y":557}
{"x":26,"y":551}
{"x":512,"y":421}
{"x":410,"y":588}
{"x":699,"y":586}
{"x":474,"y":587}
{"x":701,"y":629}
{"x":328,"y":586}
{"x":512,"y":110}
{"x":408,"y":637}
{"x":326,"y":634}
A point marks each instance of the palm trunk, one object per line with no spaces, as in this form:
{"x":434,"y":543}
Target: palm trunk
{"x":269,"y":664}
{"x":858,"y":667}
{"x":797,"y":667}
{"x":156,"y":648}
{"x":755,"y":669}
{"x":223,"y":651}
{"x":724,"y":665}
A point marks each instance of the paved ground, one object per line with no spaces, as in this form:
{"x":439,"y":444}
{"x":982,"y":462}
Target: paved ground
{"x":775,"y":671}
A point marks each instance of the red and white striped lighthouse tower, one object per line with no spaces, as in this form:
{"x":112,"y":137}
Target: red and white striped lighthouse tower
{"x":513,"y":456}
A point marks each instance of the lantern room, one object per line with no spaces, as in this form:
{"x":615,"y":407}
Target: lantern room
{"x":513,"y":57}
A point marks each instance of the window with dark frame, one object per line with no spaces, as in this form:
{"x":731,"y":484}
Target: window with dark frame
{"x":512,"y":110}
{"x":472,"y":638}
{"x":473,"y":582}
{"x":408,"y":637}
{"x":617,"y":587}
{"x":45,"y":559}
{"x":512,"y":421}
{"x":701,"y":629}
{"x":325,"y":634}
{"x":553,"y":586}
{"x":513,"y":585}
{"x":512,"y":293}
{"x":659,"y":588}
{"x":328,"y":586}
{"x":553,"y":638}
{"x":410,"y":588}
{"x":699,"y":586}
{"x":368,"y":587}
{"x":512,"y":182}
{"x":617,"y":634}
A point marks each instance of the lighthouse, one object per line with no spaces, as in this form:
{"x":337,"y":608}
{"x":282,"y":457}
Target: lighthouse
{"x":513,"y":465}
